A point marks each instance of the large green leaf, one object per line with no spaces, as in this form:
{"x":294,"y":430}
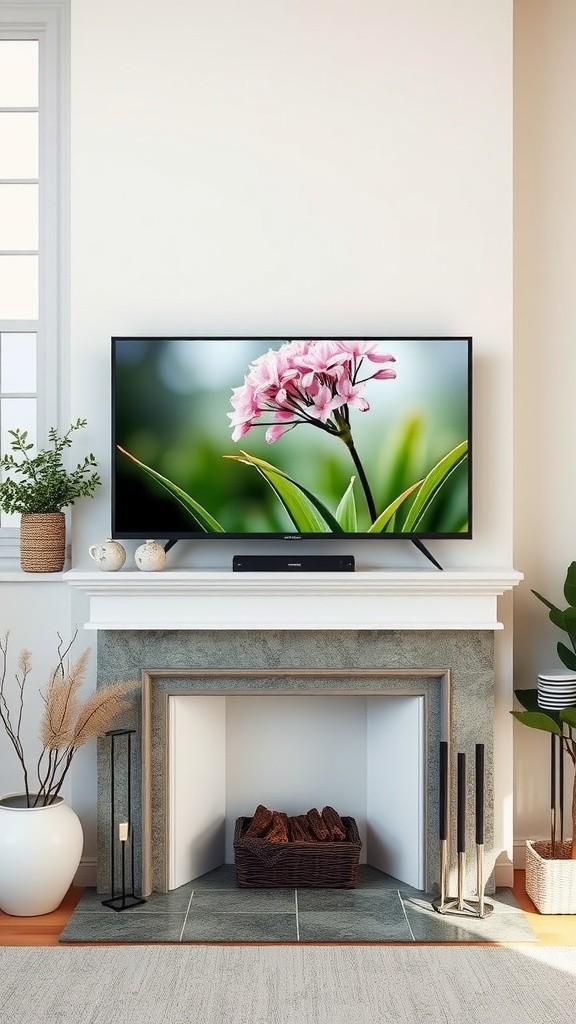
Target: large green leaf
{"x":568,"y":715}
{"x":567,"y":657}
{"x":570,"y":584}
{"x":529,"y":701}
{"x":569,"y":616}
{"x":306,"y":511}
{"x":203,"y":518}
{"x":548,"y":604}
{"x":537,"y":720}
{"x":386,"y":517}
{"x":346,"y":511}
{"x":433,"y":483}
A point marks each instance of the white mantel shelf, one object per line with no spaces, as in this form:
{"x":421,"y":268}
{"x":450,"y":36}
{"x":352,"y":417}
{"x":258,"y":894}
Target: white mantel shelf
{"x":365,"y":599}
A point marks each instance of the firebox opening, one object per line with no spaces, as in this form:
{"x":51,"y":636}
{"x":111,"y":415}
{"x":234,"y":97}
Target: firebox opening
{"x":364,"y":754}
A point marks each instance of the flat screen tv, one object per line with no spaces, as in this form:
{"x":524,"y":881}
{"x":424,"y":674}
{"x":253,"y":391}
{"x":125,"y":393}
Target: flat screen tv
{"x":284,"y":437}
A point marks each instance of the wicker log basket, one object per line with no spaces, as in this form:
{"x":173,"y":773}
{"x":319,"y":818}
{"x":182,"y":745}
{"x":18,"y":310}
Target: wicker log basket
{"x":551,"y":882}
{"x":42,"y":542}
{"x":296,"y":865}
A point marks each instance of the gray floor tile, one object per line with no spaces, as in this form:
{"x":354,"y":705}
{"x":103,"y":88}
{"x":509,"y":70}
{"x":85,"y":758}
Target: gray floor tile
{"x":503,"y":925}
{"x":205,"y":926}
{"x":175,"y":902}
{"x":504,"y":899}
{"x":223,"y":877}
{"x":343,"y":915}
{"x":353,"y":926}
{"x":386,"y":901}
{"x":244,"y":901}
{"x":123,"y":927}
{"x":371,"y":878}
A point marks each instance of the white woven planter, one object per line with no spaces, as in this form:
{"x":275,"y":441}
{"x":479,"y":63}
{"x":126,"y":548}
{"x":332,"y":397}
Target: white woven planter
{"x":550,"y":884}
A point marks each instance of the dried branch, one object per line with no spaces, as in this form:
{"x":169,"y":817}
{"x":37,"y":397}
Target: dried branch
{"x":67,"y":722}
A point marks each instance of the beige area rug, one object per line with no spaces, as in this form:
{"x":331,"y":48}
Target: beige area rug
{"x":287,"y":985}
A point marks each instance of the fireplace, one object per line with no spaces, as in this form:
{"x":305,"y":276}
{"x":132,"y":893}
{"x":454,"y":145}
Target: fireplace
{"x":372,"y":634}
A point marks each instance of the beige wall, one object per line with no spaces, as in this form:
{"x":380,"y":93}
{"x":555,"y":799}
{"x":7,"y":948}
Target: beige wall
{"x":544,"y":360}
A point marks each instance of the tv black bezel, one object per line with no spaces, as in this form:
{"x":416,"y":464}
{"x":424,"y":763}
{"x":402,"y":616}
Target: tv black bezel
{"x":347,"y":538}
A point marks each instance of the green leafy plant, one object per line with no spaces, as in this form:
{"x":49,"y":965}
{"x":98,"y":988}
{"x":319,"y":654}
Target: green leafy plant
{"x":40,"y":482}
{"x":559,"y":723}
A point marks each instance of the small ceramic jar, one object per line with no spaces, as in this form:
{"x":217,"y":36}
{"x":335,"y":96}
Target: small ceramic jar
{"x":110,"y":556}
{"x":150,"y":557}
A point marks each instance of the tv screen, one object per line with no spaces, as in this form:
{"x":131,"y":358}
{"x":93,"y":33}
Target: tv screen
{"x":291,"y":437}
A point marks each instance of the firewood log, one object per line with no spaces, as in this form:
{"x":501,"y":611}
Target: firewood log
{"x":317,"y":825}
{"x":334,"y":823}
{"x":260,"y":822}
{"x":278,"y":829}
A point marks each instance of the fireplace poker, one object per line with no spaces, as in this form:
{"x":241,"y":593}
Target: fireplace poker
{"x":443,"y":816}
{"x":458,"y":905}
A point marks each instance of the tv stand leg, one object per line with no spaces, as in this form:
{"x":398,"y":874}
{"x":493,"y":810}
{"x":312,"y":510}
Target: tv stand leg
{"x":169,"y":544}
{"x":422,"y":547}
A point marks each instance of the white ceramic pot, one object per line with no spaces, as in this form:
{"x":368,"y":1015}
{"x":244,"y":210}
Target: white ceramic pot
{"x":40,"y":850}
{"x":150,"y":557}
{"x":110,"y":555}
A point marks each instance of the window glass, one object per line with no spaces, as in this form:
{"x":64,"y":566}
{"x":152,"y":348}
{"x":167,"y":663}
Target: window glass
{"x":17,"y":413}
{"x":17,"y":362}
{"x":18,"y":144}
{"x":18,"y":287}
{"x":18,"y":73}
{"x":18,"y":216}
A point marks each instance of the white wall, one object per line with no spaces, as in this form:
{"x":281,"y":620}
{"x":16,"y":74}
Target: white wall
{"x":298,"y":166}
{"x":306,"y":165}
{"x":545,"y":362}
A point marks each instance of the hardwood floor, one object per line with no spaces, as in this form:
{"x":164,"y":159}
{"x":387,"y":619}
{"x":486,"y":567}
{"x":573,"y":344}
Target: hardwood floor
{"x":552,"y":930}
{"x":38,"y":931}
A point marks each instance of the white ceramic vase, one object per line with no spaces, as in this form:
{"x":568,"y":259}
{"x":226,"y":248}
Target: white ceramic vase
{"x":110,"y":555}
{"x":40,"y":850}
{"x":150,"y":557}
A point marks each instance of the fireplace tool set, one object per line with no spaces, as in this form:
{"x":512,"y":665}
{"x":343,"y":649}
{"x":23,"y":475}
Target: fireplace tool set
{"x":126,"y":897}
{"x":477,"y":907}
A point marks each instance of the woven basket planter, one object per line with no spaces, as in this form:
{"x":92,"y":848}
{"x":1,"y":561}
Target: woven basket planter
{"x":329,"y":865}
{"x":551,"y":883}
{"x":42,"y":542}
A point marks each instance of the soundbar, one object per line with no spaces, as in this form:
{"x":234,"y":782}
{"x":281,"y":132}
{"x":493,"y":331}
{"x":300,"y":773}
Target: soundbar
{"x":293,"y":563}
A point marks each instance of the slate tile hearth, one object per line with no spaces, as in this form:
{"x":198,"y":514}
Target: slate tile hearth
{"x":213,"y":909}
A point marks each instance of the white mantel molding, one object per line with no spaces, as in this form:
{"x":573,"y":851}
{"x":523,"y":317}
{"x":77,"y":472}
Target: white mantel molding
{"x":365,"y":599}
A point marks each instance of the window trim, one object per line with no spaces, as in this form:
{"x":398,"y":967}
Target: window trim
{"x":48,"y":21}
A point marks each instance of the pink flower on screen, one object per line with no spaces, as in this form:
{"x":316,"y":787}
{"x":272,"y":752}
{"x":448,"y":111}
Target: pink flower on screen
{"x":314,"y":381}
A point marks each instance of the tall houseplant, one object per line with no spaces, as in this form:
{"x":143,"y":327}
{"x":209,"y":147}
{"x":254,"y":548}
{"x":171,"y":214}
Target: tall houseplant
{"x":40,"y":835}
{"x":39,"y":486}
{"x":551,"y":866}
{"x":559,"y":723}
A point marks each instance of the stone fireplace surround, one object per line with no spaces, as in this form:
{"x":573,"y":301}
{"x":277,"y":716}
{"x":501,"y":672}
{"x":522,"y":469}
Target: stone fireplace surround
{"x":415,"y":629}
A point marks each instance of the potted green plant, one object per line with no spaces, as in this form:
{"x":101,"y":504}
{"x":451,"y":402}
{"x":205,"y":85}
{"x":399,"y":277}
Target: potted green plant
{"x":551,"y":865}
{"x":41,"y":836}
{"x":38,"y":486}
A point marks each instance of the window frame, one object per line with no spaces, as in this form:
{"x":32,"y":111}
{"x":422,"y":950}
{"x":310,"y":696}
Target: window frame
{"x":47,"y":21}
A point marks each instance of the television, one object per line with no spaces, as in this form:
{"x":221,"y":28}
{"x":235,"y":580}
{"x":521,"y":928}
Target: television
{"x":291,"y":437}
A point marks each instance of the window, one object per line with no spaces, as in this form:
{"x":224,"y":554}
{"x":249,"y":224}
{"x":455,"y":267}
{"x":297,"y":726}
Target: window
{"x":33,"y":223}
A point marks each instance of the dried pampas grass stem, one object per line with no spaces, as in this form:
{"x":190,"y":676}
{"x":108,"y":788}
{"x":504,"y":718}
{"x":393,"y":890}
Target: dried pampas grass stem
{"x":67,"y":722}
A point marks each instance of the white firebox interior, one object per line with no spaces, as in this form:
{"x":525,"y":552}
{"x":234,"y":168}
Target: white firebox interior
{"x":364,"y":755}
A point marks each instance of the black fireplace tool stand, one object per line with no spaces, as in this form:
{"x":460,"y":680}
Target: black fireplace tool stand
{"x":458,"y":905}
{"x":125,"y":834}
